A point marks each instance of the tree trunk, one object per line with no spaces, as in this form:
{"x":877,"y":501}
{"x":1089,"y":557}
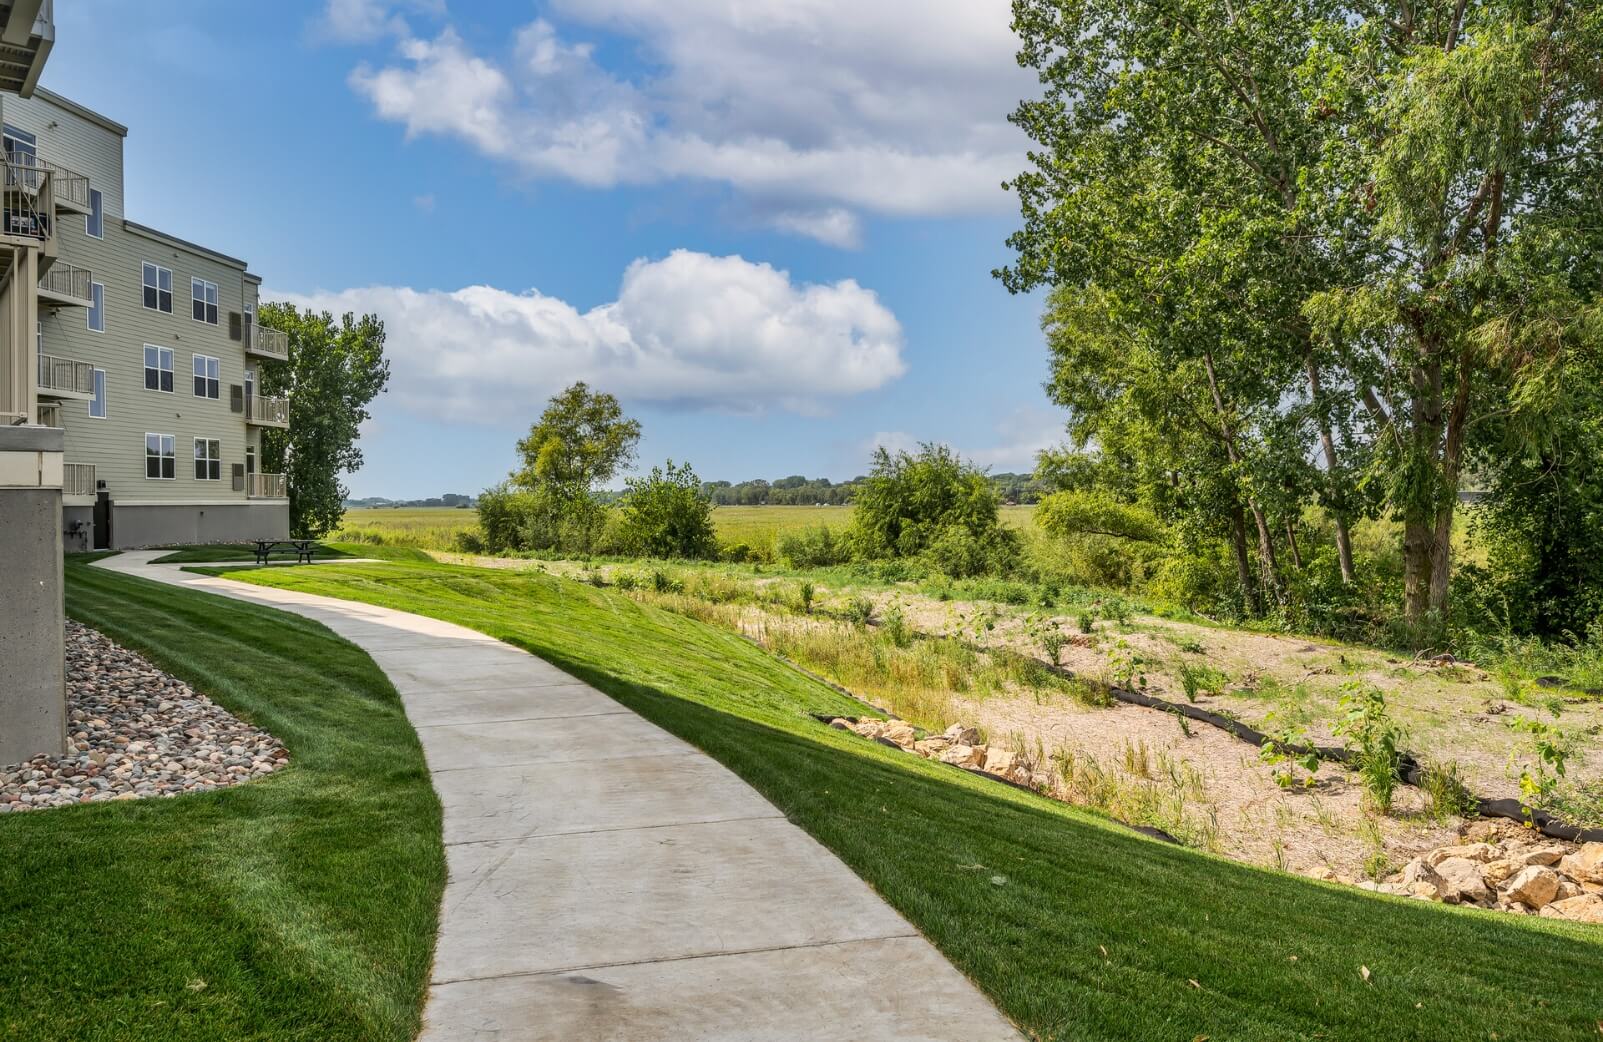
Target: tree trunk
{"x":1238,"y":547}
{"x":1291,"y":541}
{"x":1266,"y":543}
{"x":1344,"y":543}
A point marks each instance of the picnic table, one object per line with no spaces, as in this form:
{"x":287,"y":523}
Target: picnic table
{"x":303,"y":549}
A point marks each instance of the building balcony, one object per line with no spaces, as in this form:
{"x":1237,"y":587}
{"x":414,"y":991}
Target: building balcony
{"x":267,"y":412}
{"x":267,"y":343}
{"x":65,"y":378}
{"x":266,"y":486}
{"x":66,"y":285}
{"x":78,"y":480}
{"x":25,"y":215}
{"x":68,"y":189}
{"x":49,"y":414}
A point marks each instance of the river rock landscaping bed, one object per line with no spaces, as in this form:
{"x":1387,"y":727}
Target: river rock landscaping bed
{"x":135,"y":732}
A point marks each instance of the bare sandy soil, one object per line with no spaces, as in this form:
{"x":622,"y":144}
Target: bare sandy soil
{"x":1199,"y":783}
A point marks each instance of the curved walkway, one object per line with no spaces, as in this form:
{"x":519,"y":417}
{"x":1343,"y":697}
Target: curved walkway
{"x":611,"y":882}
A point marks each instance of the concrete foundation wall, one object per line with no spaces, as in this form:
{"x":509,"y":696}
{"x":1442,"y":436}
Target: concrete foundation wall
{"x":160,"y":525}
{"x":32,"y":647}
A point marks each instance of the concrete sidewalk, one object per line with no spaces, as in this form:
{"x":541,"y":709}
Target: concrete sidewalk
{"x":611,"y":882}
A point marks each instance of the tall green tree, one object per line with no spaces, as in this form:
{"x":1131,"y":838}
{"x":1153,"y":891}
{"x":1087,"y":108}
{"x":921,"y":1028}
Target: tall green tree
{"x":1387,"y":194}
{"x":335,"y":370}
{"x":580,"y":442}
{"x":667,"y":514}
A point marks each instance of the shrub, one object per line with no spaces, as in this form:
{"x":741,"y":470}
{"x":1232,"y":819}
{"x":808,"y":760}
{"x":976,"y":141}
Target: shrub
{"x":667,"y":514}
{"x":931,"y":505}
{"x":1373,"y":737}
{"x":662,"y":582}
{"x":816,"y":547}
{"x":859,"y":611}
{"x":469,"y":541}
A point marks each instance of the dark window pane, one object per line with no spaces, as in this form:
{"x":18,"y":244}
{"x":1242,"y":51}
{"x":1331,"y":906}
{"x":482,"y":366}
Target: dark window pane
{"x":212,"y":388}
{"x":152,"y":380}
{"x":166,"y":301}
{"x":169,"y":467}
{"x":152,"y":467}
{"x":150,"y":297}
{"x":211,"y":313}
{"x":200,"y":470}
{"x":166,"y":379}
{"x":216,"y":470}
{"x":200,"y":310}
{"x":200,"y":387}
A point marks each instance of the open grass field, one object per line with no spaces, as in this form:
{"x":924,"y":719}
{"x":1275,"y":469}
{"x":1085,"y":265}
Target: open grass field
{"x":435,"y":528}
{"x":1077,"y":928}
{"x":302,"y":906}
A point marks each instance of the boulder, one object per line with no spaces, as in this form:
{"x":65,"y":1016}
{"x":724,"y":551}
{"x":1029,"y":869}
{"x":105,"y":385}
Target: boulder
{"x":1567,"y":889}
{"x":1585,"y":865}
{"x":1418,"y":879}
{"x":1535,"y":885}
{"x":957,"y":734}
{"x":931,"y":747}
{"x":1588,"y":908}
{"x":999,"y":761}
{"x":1321,"y":872}
{"x":901,"y":733}
{"x":1496,"y":872}
{"x":1482,"y":832}
{"x":1463,"y":882}
{"x":870,"y":728}
{"x":1548,"y":856}
{"x":1481,"y":852}
{"x":840,"y":723}
{"x":962,"y":755}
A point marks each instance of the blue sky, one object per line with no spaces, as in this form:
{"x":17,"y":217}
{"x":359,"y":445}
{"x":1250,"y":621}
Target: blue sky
{"x":771,"y":235}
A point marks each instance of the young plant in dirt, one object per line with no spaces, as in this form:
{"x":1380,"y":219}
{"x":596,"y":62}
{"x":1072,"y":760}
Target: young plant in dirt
{"x":859,"y":611}
{"x":1086,"y":622}
{"x":1199,"y":680}
{"x":1280,"y":752}
{"x":1539,"y":780}
{"x":1446,"y":794}
{"x":1124,"y":666}
{"x":1373,"y":737}
{"x":893,"y":621}
{"x":1047,"y":633}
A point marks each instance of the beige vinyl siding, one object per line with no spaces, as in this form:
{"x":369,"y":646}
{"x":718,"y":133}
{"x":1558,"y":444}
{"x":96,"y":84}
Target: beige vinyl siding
{"x":116,"y":444}
{"x":77,"y":143}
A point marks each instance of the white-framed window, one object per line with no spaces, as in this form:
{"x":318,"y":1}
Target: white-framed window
{"x":206,"y":376}
{"x":97,"y":404}
{"x":158,"y":285}
{"x":250,"y":321}
{"x":94,"y":222}
{"x":20,"y":143}
{"x":208,"y":459}
{"x":203,"y":294}
{"x":158,"y":369}
{"x":97,"y":307}
{"x":160,"y":461}
{"x":250,"y":459}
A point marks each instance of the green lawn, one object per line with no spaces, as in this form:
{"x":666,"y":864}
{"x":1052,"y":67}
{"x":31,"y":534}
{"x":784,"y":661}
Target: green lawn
{"x":299,"y":907}
{"x":1077,"y":928}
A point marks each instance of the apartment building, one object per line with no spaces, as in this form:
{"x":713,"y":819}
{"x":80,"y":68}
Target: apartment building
{"x":141,"y":347}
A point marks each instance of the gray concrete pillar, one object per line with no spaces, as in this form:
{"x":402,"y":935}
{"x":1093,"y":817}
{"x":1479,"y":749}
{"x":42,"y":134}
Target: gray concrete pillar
{"x":33,"y":693}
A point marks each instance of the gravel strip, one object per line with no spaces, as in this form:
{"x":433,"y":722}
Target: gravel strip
{"x":136,"y":732}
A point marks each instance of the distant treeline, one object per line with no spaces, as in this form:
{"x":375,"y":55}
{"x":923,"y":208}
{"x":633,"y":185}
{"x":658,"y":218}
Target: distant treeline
{"x":450,"y":499}
{"x":797,"y":490}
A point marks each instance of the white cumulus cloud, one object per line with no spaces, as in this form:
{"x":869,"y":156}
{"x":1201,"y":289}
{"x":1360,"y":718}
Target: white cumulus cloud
{"x":814,"y":111}
{"x":689,"y":330}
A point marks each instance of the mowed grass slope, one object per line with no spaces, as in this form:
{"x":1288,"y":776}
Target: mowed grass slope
{"x":1077,"y":928}
{"x":302,"y":906}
